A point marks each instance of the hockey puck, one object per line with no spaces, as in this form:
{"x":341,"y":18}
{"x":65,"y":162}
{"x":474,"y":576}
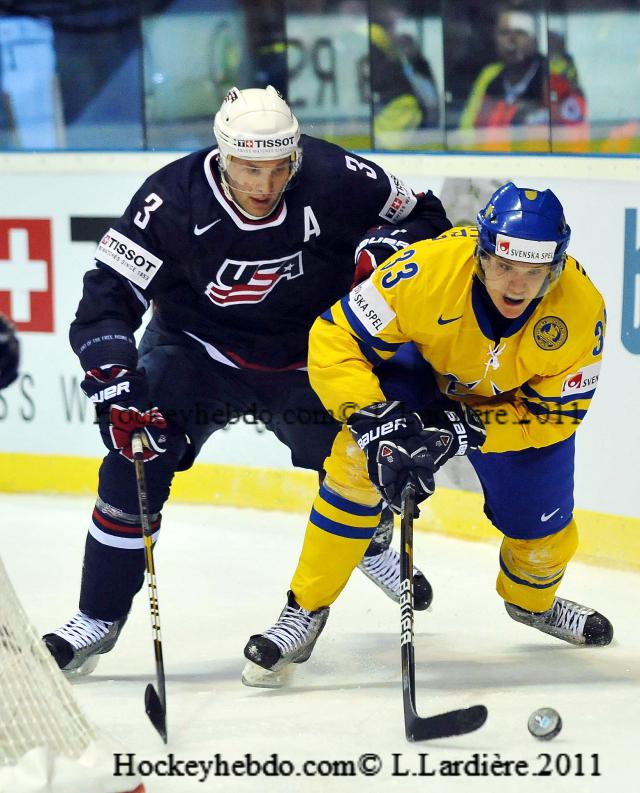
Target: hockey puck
{"x":544,"y":723}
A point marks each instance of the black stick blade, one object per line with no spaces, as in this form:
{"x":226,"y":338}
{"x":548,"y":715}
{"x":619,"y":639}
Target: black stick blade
{"x":444,"y":725}
{"x":156,"y":711}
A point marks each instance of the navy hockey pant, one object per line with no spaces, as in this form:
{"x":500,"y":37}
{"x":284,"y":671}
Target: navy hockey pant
{"x":198,"y":396}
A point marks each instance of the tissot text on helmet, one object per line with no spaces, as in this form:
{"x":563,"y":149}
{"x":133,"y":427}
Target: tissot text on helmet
{"x":268,"y":143}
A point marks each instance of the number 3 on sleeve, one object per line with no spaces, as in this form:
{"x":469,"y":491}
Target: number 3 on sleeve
{"x":151,"y":203}
{"x":599,"y":334}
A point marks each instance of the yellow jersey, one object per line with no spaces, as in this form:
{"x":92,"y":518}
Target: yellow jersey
{"x":531,"y":386}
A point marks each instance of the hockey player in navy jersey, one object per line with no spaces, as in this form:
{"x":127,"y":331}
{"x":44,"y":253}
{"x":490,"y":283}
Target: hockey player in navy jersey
{"x":238,"y":248}
{"x":9,"y":353}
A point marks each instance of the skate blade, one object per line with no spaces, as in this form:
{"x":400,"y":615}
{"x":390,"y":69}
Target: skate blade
{"x":256,"y":676}
{"x":84,"y":669}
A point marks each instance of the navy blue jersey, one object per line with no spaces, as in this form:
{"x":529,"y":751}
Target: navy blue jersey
{"x":246,"y":290}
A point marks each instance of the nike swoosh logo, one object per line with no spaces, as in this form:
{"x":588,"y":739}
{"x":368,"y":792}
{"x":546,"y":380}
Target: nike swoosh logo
{"x":544,"y":518}
{"x":442,"y":321}
{"x":198,"y":231}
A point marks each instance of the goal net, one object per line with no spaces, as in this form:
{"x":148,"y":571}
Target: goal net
{"x":46,"y":743}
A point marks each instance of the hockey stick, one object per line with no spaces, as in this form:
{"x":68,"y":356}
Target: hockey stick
{"x":155,"y":703}
{"x":417,"y":728}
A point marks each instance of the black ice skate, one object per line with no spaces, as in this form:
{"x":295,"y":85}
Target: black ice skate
{"x":568,"y":621}
{"x":381,"y":564}
{"x":290,"y":640}
{"x":77,"y":645}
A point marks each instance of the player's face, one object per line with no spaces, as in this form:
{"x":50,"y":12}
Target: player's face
{"x":256,"y":185}
{"x":512,"y":285}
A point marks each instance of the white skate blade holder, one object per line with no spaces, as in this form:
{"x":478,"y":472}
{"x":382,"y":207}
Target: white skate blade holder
{"x":256,"y":676}
{"x":84,"y":669}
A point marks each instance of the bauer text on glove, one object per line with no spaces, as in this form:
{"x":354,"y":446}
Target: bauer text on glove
{"x":123,"y":407}
{"x":391,"y":438}
{"x":452,"y":432}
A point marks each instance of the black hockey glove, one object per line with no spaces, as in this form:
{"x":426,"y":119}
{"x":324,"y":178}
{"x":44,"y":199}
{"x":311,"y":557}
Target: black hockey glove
{"x":391,"y":438}
{"x":380,"y":243}
{"x":9,"y":353}
{"x":123,"y":406}
{"x":451,"y":432}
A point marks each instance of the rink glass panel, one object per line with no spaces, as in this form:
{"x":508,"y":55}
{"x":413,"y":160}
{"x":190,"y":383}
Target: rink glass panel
{"x":387,"y":76}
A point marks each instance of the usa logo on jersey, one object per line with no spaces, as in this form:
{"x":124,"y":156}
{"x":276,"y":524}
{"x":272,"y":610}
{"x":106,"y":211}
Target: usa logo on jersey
{"x":239,"y":282}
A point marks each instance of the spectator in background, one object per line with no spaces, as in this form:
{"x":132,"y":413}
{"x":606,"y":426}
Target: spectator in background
{"x":7,"y":127}
{"x":395,"y":76}
{"x":524,"y":86}
{"x":404,"y":91}
{"x":9,"y":353}
{"x":29,"y":96}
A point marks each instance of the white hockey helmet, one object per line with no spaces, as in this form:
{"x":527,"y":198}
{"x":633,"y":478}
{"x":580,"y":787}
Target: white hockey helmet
{"x":257,"y":124}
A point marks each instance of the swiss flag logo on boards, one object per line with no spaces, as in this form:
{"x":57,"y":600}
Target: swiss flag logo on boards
{"x":26,"y":273}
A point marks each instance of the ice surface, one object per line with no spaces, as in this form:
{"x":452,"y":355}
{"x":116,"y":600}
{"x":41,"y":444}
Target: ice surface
{"x":222,"y":575}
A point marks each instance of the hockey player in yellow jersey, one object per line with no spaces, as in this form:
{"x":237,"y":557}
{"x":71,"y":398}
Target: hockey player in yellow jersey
{"x":507,"y":334}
